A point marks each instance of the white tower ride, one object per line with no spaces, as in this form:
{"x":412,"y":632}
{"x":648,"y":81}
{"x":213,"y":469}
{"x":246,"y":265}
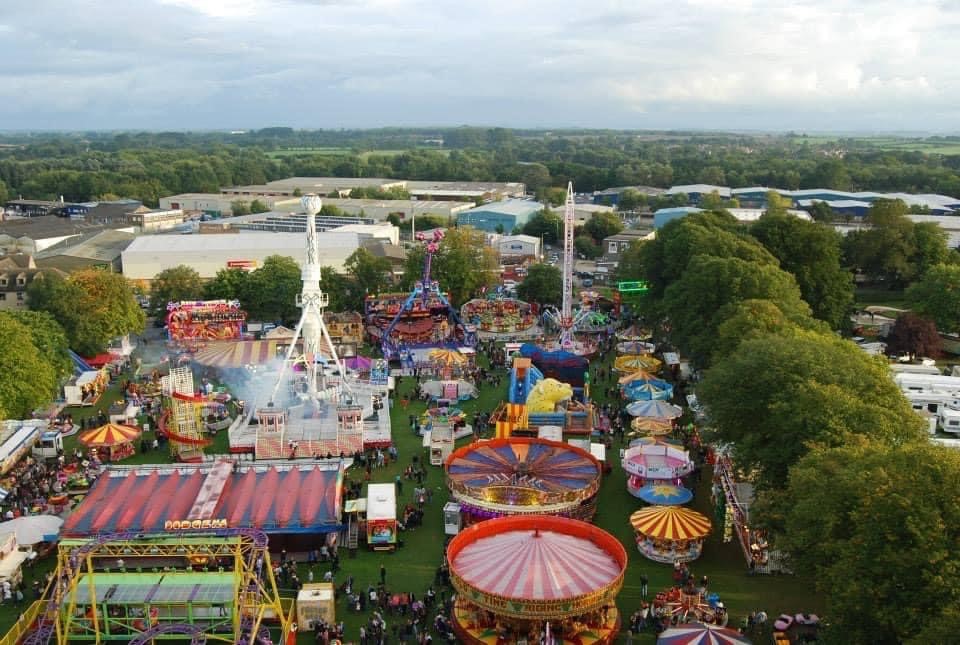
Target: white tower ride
{"x":312,"y":301}
{"x":566,"y":312}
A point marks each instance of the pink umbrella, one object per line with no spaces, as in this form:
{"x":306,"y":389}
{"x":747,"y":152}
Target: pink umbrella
{"x":359,"y":363}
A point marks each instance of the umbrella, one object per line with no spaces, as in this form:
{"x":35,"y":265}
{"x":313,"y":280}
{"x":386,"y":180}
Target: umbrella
{"x":664,"y":494}
{"x":670,"y":523}
{"x":634,"y":362}
{"x":652,"y":390}
{"x":111,"y":434}
{"x":31,"y":529}
{"x":652,"y":425}
{"x":639,"y":375}
{"x":446,"y":357}
{"x":659,"y":409}
{"x":635,"y":347}
{"x":701,"y":634}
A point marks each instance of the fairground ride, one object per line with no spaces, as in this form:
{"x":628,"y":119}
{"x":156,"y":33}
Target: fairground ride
{"x":213,"y":584}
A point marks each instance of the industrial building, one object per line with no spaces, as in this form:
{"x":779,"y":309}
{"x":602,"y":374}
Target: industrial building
{"x":500,"y":217}
{"x":517,"y":246}
{"x":149,"y":255}
{"x":611,"y":196}
{"x":99,"y":251}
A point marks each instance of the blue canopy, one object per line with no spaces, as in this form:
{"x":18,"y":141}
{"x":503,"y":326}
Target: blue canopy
{"x":664,"y":494}
{"x":648,"y":390}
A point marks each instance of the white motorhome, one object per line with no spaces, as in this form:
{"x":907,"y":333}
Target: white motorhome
{"x":910,"y":368}
{"x":927,"y":382}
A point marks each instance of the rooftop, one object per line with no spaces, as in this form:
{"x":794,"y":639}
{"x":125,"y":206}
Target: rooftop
{"x":105,"y":245}
{"x":507,"y":207}
{"x":47,"y":226}
{"x":216,"y":242}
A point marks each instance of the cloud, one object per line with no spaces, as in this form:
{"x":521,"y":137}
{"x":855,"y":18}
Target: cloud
{"x":764,"y":64}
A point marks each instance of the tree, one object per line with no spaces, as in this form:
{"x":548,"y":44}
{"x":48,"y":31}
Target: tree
{"x":177,"y":283}
{"x":774,"y":396}
{"x":811,"y":252}
{"x":228,"y":284}
{"x":50,"y":339}
{"x":585,"y":246}
{"x":777,"y":204}
{"x":336,"y":288}
{"x":546,"y":224}
{"x":370,"y":275}
{"x":710,"y":289}
{"x":602,"y":225}
{"x":27,"y":379}
{"x":755,"y":318}
{"x":4,"y":192}
{"x":930,"y":247}
{"x":536,"y":176}
{"x":877,"y":527}
{"x":937,"y":296}
{"x":93,"y":307}
{"x":554,"y":196}
{"x":821,"y":212}
{"x":631,"y":199}
{"x":543,"y":285}
{"x":270,"y":292}
{"x":914,"y":335}
{"x":240,"y":207}
{"x":463,"y":265}
{"x":259,"y":206}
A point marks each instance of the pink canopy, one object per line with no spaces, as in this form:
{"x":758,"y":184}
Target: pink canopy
{"x":536,"y":565}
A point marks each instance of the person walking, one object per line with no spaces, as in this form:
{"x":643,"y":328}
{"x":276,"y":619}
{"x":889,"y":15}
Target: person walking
{"x":383,"y":575}
{"x":643,"y":585}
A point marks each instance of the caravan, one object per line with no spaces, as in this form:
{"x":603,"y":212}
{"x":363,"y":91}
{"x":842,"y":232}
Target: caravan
{"x":382,"y":517}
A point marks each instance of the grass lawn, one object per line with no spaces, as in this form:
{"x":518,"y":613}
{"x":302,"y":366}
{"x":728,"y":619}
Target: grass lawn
{"x":413,"y":567}
{"x":880,"y":297}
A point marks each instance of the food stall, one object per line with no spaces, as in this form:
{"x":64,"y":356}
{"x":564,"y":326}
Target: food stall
{"x":18,"y":438}
{"x":381,"y":517}
{"x":11,"y":560}
{"x":315,"y":604}
{"x":86,"y":388}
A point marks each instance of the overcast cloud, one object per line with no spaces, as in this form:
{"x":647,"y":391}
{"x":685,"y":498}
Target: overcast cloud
{"x":733,"y":64}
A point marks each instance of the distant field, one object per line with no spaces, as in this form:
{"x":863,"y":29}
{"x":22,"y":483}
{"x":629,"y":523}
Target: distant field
{"x":931,"y":146}
{"x":333,"y":150}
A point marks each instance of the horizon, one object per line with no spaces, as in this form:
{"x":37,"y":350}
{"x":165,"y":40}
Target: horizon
{"x":817,"y":66}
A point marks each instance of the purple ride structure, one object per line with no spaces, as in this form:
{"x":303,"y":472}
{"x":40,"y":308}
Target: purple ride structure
{"x":408,"y":324}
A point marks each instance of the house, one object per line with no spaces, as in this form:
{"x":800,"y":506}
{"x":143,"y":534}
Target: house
{"x":17,"y":273}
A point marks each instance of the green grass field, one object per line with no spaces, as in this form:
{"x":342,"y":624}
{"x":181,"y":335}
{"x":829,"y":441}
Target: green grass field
{"x":899,"y":144}
{"x":413,"y":567}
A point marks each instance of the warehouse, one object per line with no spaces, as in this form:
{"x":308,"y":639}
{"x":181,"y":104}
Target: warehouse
{"x":149,"y":255}
{"x":500,"y":217}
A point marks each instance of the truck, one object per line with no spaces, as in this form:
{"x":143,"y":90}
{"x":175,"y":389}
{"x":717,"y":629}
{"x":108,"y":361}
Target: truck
{"x":382,"y":517}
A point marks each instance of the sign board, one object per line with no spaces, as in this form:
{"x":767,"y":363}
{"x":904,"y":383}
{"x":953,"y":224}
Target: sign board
{"x":242,"y":264}
{"x":637,"y":286}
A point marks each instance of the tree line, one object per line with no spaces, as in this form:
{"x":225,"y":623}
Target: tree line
{"x":847,"y":482}
{"x":147,"y":166}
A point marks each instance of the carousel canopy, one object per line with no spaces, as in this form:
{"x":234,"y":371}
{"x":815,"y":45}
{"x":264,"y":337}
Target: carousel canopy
{"x":657,"y":409}
{"x":670,"y":523}
{"x":652,"y":390}
{"x":634,"y":332}
{"x":236,"y":354}
{"x":549,"y":466}
{"x":664,"y":494}
{"x":639,"y":375}
{"x":635,"y":347}
{"x":654,"y":441}
{"x":701,"y":634}
{"x":652,"y":425}
{"x":544,"y":567}
{"x":111,"y":434}
{"x":446,"y":357}
{"x":634,"y":362}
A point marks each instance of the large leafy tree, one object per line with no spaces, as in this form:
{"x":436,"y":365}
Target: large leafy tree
{"x":177,"y":283}
{"x":937,"y":295}
{"x":543,"y":285}
{"x":463,"y":265}
{"x":754,"y":318}
{"x":546,"y":224}
{"x":228,"y":284}
{"x":774,"y":396}
{"x":270,"y":291}
{"x":914,"y":335}
{"x":878,"y":526}
{"x":337,"y":289}
{"x":27,"y":378}
{"x":370,"y":273}
{"x":48,"y":336}
{"x":92,"y":306}
{"x":811,"y":252}
{"x":709,"y":290}
{"x":602,"y":225}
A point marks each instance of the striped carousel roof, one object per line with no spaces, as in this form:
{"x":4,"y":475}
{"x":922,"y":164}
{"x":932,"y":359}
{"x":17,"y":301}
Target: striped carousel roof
{"x":549,"y":466}
{"x":670,"y":523}
{"x":536,"y":559}
{"x":110,"y":434}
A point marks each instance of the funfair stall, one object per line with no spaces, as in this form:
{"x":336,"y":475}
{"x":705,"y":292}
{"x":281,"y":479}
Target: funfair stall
{"x":535,"y":579}
{"x":205,"y":320}
{"x":382,"y":517}
{"x":670,"y":534}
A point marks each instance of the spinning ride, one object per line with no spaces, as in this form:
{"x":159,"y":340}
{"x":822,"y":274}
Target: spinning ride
{"x":523,"y":476}
{"x":496,"y":316}
{"x":658,"y":463}
{"x":670,"y":534}
{"x":523,"y":578}
{"x":422,"y":319}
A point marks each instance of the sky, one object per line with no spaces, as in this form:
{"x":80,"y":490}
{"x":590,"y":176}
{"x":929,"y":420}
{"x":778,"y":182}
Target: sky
{"x":773,"y":65}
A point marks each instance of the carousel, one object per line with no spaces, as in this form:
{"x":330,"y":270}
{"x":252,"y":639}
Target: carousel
{"x":670,"y":534}
{"x":523,"y":476}
{"x":535,"y":579}
{"x":655,"y":463}
{"x":495,"y":316}
{"x":112,"y":441}
{"x":630,"y":363}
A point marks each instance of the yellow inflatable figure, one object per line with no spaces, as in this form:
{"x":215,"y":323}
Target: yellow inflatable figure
{"x":546,"y":394}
